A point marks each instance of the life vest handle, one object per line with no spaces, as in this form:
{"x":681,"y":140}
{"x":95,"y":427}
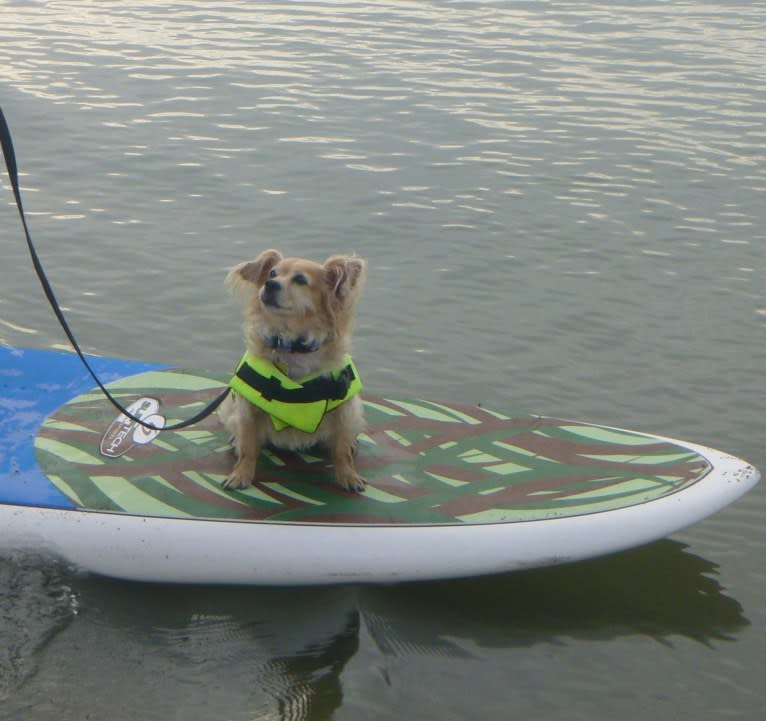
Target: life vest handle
{"x":321,"y":388}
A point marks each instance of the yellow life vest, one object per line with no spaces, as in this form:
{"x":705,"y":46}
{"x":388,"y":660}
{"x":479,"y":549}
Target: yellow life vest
{"x":297,"y":404}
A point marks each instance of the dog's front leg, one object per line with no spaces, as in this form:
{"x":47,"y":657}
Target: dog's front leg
{"x":247,"y":443}
{"x":342,"y":454}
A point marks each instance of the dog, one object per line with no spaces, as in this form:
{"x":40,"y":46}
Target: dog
{"x":299,"y":317}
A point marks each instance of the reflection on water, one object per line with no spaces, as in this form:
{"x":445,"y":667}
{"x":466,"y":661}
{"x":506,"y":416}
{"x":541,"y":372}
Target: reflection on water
{"x":142,"y":650}
{"x":35,"y":603}
{"x":662,"y":591}
{"x":147,"y":651}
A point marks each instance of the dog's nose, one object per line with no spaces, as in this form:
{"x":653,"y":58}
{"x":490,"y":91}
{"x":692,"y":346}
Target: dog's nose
{"x":270,"y":293}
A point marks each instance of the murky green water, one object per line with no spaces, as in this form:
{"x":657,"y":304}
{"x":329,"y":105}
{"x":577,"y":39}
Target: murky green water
{"x":563,"y":208}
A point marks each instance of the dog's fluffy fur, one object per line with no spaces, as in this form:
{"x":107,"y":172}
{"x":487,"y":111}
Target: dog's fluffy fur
{"x":293,"y":299}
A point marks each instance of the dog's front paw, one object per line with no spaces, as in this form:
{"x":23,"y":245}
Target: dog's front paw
{"x":241,"y":476}
{"x":351,"y":482}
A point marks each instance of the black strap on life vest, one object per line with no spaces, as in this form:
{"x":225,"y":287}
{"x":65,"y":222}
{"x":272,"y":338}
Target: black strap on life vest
{"x":322,"y":388}
{"x":10,"y":163}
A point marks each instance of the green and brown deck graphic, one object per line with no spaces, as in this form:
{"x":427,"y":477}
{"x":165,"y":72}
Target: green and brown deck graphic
{"x":425,"y":463}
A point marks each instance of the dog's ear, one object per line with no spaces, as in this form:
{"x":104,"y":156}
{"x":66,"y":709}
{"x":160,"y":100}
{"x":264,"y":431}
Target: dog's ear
{"x":253,"y":271}
{"x":344,"y":276}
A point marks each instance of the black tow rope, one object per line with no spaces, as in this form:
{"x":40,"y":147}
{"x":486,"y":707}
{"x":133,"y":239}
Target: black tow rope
{"x":10,"y":162}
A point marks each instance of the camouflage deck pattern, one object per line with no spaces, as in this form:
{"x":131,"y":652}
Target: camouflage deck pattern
{"x":425,"y":463}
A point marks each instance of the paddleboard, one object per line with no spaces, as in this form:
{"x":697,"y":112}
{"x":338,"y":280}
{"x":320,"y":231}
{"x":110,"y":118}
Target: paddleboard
{"x":453,"y":490}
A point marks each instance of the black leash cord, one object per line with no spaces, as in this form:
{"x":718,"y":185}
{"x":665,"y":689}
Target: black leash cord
{"x":10,"y":162}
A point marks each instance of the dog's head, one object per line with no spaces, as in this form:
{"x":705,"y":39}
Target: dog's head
{"x":299,"y":299}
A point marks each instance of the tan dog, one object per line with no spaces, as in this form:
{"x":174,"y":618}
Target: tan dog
{"x":299,"y":316}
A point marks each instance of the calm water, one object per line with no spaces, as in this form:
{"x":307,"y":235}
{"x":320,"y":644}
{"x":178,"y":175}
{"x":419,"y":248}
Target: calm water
{"x":564,"y":209}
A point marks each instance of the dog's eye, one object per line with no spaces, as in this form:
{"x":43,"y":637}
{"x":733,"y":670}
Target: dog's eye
{"x":300,"y":279}
{"x":273,"y":273}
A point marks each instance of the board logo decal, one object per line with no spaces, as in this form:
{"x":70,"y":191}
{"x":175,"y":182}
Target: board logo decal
{"x":123,"y":433}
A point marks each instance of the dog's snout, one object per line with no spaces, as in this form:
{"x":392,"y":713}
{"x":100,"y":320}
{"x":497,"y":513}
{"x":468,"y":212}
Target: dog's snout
{"x":270,"y":293}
